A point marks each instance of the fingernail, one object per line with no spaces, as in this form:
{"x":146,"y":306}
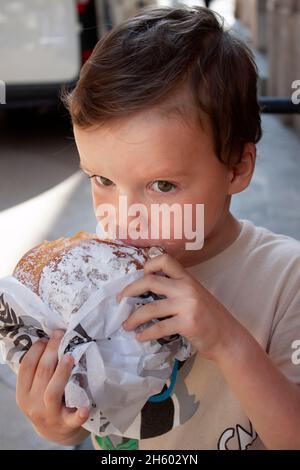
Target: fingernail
{"x":58,"y":334}
{"x":155,"y":251}
{"x":44,"y":339}
{"x":118,"y":297}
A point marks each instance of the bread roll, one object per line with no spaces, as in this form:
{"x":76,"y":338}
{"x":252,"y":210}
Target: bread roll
{"x":64,"y":272}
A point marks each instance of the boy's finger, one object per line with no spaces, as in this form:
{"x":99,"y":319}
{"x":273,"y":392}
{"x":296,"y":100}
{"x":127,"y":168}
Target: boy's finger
{"x":53,"y":395}
{"x":75,"y":419}
{"x":150,"y":282}
{"x":167,"y":264}
{"x":157,"y":309}
{"x":160,"y":329}
{"x":47,"y":363}
{"x":28,"y":367}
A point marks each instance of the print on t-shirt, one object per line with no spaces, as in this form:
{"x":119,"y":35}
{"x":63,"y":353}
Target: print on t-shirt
{"x":159,"y":418}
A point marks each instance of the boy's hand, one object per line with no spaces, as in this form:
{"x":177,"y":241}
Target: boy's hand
{"x":40,"y":388}
{"x":195,"y":312}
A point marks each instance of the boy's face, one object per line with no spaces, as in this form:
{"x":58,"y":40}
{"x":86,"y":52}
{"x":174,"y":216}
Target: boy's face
{"x":152,"y":159}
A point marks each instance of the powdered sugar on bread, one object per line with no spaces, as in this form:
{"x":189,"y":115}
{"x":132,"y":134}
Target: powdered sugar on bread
{"x":66,"y":271}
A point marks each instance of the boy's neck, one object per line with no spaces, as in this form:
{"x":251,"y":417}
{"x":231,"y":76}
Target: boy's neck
{"x":223,"y":235}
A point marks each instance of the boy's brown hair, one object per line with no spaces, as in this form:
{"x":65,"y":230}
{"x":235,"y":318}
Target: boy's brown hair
{"x":144,"y":60}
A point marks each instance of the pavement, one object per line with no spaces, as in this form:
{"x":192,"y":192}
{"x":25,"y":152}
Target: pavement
{"x":44,"y":196}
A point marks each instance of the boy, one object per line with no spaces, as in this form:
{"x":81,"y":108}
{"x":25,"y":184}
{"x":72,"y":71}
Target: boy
{"x":165,"y":111}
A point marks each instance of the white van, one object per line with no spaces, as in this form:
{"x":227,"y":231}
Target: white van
{"x":43,"y":44}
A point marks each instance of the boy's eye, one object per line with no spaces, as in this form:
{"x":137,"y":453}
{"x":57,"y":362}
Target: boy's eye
{"x":163,"y":186}
{"x":102,"y":181}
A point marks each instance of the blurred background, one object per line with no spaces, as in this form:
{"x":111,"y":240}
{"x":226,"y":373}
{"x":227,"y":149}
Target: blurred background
{"x":43,"y":195}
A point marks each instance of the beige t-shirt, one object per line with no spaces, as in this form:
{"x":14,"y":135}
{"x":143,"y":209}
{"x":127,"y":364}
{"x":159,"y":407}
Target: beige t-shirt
{"x":257,"y":278}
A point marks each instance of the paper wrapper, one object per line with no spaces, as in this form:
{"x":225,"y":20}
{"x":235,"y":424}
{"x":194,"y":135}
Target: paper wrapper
{"x":114,"y":374}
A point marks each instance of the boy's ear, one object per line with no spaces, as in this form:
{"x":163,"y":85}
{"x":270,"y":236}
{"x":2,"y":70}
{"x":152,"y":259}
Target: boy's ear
{"x":241,"y":173}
